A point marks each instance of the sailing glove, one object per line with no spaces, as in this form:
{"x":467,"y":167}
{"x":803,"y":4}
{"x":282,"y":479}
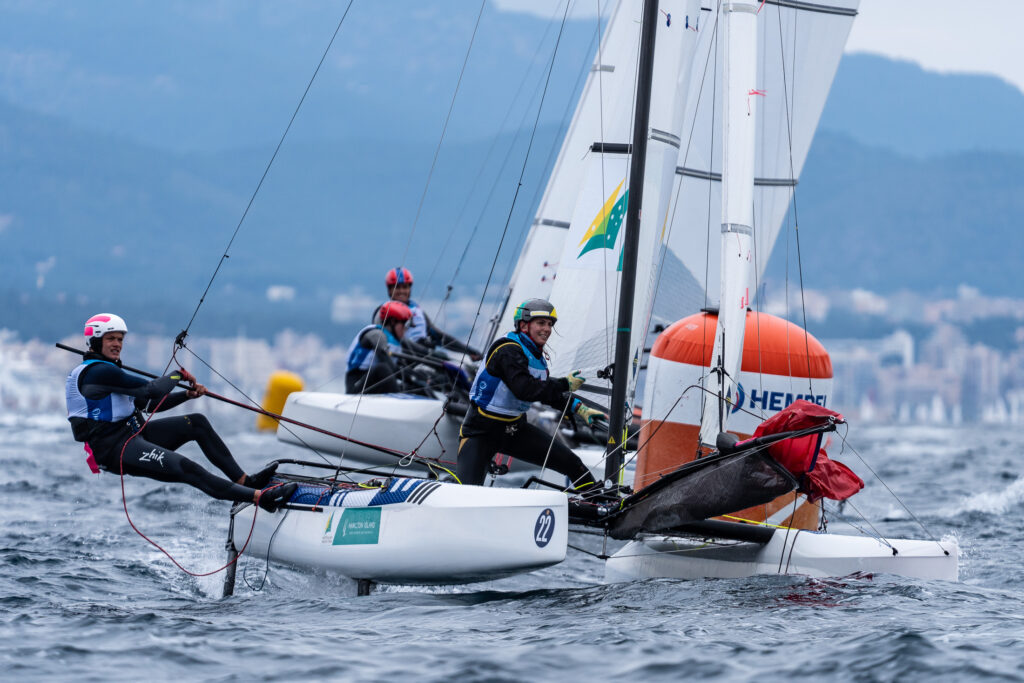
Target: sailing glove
{"x":588,"y":413}
{"x":575,"y":380}
{"x":162,"y":386}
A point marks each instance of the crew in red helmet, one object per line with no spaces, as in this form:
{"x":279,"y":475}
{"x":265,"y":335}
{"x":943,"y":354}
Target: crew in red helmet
{"x":421,"y":335}
{"x":371,"y":368}
{"x":105,"y":404}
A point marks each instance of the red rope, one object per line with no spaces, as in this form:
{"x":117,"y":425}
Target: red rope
{"x":124,"y":501}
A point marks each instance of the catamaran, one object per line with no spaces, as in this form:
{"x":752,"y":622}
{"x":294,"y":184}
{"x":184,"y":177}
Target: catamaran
{"x":730,"y":468}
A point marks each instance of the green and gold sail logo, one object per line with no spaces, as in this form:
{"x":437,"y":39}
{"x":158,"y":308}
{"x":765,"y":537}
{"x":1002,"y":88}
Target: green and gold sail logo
{"x":604,"y":230}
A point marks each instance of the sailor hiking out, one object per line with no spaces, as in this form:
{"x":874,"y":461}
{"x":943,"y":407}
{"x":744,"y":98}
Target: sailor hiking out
{"x":514,"y":375}
{"x":105,"y":404}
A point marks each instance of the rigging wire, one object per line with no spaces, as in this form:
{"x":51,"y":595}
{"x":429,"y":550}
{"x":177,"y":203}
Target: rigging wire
{"x":547,"y":166}
{"x":487,"y":157}
{"x":517,"y":245}
{"x":487,"y":202}
{"x":181,"y":337}
{"x":266,"y":170}
{"x":604,"y":186}
{"x":401,"y":455}
{"x":444,"y":130}
{"x":711,"y":162}
{"x":891,"y":492}
{"x":412,"y":230}
{"x":519,"y":184}
{"x":494,"y":186}
{"x":245,"y":395}
{"x":712,"y":50}
{"x":792,"y":173}
{"x":522,"y":172}
{"x":614,"y":304}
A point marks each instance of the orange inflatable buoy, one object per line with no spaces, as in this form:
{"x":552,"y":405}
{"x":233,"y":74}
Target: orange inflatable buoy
{"x":781,"y":363}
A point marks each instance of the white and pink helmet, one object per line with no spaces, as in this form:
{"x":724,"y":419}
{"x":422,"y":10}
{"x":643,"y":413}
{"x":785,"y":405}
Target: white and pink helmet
{"x":101,"y":323}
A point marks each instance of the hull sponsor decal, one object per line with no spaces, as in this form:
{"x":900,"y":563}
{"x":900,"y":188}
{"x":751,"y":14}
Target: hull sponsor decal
{"x":358,"y":526}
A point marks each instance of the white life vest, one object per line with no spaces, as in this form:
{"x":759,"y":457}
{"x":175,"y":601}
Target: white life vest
{"x":416,"y":328}
{"x":111,"y":408}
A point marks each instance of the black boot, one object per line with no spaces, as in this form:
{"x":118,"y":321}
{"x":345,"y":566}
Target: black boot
{"x":261,"y":478}
{"x":276,"y":496}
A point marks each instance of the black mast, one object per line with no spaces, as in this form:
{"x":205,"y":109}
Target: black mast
{"x":623,"y":363}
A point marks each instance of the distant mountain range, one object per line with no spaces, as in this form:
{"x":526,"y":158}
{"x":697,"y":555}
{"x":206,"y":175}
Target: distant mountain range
{"x":913,"y":180}
{"x":899,"y":106}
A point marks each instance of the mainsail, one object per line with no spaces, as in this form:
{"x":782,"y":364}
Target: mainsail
{"x":686,"y":275}
{"x":583,"y":244}
{"x":770,"y":103}
{"x":590,"y":265}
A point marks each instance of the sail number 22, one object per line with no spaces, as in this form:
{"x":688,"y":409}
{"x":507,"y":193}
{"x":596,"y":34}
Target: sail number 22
{"x":544,"y":528}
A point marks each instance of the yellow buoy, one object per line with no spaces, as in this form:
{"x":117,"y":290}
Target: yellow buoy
{"x":280,"y":384}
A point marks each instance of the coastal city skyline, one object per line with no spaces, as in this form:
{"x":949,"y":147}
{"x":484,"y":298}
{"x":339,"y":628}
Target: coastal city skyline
{"x":920,"y":363}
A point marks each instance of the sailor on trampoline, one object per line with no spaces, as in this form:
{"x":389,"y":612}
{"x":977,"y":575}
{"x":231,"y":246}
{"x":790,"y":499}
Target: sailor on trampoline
{"x":514,"y":375}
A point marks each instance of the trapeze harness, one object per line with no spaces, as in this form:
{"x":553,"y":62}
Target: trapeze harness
{"x":492,"y":395}
{"x":370,"y":369}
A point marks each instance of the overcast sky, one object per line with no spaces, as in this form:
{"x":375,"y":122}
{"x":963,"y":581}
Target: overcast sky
{"x":940,"y":35}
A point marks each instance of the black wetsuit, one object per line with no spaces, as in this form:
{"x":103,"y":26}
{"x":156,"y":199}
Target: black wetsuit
{"x":484,"y":434}
{"x":151,"y":453}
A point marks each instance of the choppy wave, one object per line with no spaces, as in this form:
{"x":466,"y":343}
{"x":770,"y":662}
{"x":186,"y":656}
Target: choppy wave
{"x":997,"y":502}
{"x":83,"y":596}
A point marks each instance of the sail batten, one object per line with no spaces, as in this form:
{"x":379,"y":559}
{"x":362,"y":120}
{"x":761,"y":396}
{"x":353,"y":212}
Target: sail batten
{"x":717,"y":177}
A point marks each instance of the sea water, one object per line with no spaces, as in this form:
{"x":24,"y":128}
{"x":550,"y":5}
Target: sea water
{"x":84,"y":597}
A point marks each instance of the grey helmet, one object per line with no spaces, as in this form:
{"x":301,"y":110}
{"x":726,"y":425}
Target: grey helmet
{"x":535,"y":308}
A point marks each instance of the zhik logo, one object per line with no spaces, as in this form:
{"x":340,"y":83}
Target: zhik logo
{"x":153,"y":456}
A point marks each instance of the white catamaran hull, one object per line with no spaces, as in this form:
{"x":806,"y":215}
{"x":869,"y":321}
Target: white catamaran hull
{"x":398,"y":421}
{"x":797,"y":552}
{"x":439,"y":534}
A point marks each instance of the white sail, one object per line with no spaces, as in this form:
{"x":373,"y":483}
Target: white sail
{"x":801,"y":44}
{"x":589,"y":270}
{"x":784,"y":104}
{"x":603,"y":113}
